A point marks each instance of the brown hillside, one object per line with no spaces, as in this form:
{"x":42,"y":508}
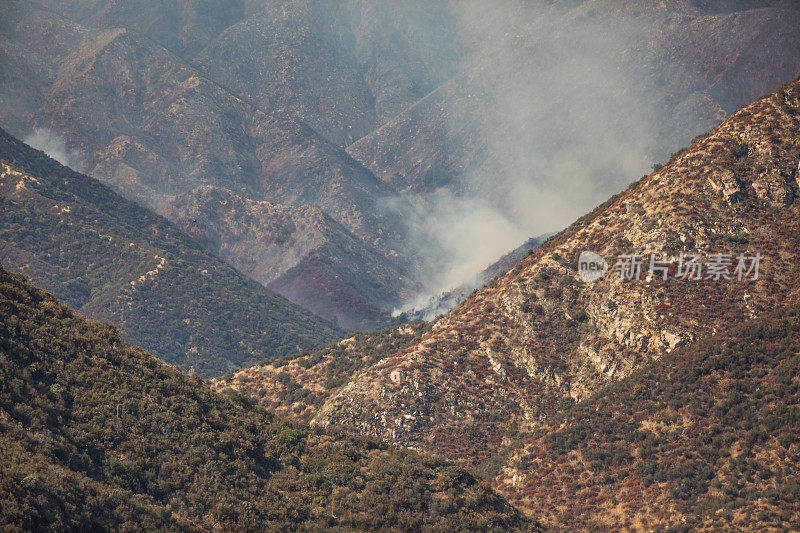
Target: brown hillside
{"x":504,"y":360}
{"x":537,"y":338}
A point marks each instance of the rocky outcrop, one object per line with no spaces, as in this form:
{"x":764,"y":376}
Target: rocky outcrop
{"x":297,"y":386}
{"x":724,"y":181}
{"x":772,"y":187}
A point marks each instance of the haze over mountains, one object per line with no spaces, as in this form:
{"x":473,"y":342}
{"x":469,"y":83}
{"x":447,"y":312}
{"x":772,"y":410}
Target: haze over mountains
{"x":397,"y":149}
{"x":537,"y":334}
{"x":488,"y":384}
{"x":439,"y":169}
{"x":116,"y":261}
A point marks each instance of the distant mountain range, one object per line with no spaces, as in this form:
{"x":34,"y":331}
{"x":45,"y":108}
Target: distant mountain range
{"x":254,"y":181}
{"x":294,"y":139}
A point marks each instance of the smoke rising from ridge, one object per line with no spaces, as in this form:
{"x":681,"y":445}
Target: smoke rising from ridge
{"x":565,"y":123}
{"x":54,"y":146}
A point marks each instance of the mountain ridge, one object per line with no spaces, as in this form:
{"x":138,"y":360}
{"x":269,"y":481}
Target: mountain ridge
{"x":275,"y":104}
{"x":508,"y":357}
{"x":621,"y":326}
{"x":99,"y":434}
{"x":117,"y":261}
{"x":168,"y":129}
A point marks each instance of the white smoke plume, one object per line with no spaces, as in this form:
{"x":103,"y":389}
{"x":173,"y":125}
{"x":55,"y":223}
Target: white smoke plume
{"x":54,"y":146}
{"x":565,"y":124}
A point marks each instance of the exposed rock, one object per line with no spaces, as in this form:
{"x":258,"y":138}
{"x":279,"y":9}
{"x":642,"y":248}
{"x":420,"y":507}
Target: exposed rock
{"x":771,"y":187}
{"x":675,"y":340}
{"x":725,"y":182}
{"x":797,"y":174}
{"x":397,"y":376}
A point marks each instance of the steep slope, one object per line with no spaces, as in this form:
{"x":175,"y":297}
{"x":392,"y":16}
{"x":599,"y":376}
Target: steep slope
{"x":341,"y":67}
{"x":297,"y":385}
{"x":153,"y":127}
{"x":706,"y":439}
{"x":141,"y":119}
{"x":161,"y":98}
{"x":98,"y":434}
{"x":503,"y":361}
{"x":537,"y":336}
{"x":444,"y":302}
{"x":115,"y":260}
{"x":432,"y":144}
{"x":181,"y":26}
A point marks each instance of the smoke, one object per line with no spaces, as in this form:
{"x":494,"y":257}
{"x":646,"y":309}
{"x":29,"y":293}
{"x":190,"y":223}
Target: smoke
{"x":457,"y":237}
{"x":54,"y":146}
{"x":564,"y":120}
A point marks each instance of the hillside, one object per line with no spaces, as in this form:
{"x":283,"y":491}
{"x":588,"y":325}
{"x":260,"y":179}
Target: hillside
{"x":300,"y":252}
{"x":116,"y":261}
{"x":680,"y":67}
{"x":503,"y":361}
{"x":360,"y":108}
{"x":706,"y":439}
{"x":149,"y":123}
{"x":341,"y":67}
{"x":98,"y":434}
{"x":444,"y":302}
{"x":537,"y":338}
{"x":295,"y":386}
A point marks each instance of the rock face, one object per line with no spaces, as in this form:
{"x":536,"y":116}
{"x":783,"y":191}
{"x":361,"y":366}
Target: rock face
{"x":346,"y":106}
{"x":509,"y":357}
{"x":725,"y":183}
{"x":774,"y":189}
